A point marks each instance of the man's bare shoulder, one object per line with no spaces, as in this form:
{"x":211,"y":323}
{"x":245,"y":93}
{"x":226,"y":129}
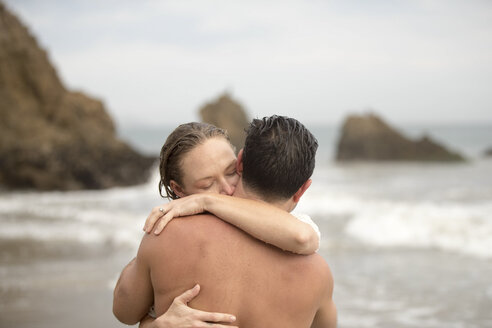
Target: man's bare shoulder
{"x":200,"y":225}
{"x":321,"y":272}
{"x":192,"y":234}
{"x":323,"y":269}
{"x":185,"y":229}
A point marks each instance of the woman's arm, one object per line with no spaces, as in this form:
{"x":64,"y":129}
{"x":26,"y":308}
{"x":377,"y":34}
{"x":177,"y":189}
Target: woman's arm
{"x":259,"y":219}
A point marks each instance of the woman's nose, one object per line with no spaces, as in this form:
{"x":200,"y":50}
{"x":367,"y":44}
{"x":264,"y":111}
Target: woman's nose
{"x":226,"y":188}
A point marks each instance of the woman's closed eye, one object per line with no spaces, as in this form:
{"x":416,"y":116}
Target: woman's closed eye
{"x":206,"y":186}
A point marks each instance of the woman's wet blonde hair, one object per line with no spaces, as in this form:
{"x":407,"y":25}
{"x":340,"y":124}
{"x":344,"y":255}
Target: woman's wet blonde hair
{"x":182,"y":140}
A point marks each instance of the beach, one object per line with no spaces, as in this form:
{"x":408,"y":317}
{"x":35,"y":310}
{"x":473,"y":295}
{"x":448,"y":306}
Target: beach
{"x":58,"y":295}
{"x":409,"y":244}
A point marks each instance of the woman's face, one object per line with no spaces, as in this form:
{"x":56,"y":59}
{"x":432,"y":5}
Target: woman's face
{"x":209,"y":167}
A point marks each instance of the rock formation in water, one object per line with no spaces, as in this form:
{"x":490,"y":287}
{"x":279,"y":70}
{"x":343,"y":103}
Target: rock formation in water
{"x":488,"y":152}
{"x":370,"y":138}
{"x":229,"y":115}
{"x":52,"y":138}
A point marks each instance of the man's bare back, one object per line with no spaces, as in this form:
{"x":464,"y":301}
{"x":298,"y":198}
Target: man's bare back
{"x":262,"y":285}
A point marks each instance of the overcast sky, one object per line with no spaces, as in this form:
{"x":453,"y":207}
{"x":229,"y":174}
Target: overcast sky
{"x":156,"y":62}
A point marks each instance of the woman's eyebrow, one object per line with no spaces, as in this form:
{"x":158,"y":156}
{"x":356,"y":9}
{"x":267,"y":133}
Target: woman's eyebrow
{"x":233,"y":163}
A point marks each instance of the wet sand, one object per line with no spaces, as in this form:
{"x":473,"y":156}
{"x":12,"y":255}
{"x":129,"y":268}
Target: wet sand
{"x":373,"y":288}
{"x":55,"y":293}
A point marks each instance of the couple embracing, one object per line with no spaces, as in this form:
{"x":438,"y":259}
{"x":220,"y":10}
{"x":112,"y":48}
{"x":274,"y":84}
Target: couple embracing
{"x":246,"y":256}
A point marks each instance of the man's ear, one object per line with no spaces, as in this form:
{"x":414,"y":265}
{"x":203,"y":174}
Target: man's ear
{"x":297,"y":196}
{"x":239,"y":162}
{"x":178,"y":191}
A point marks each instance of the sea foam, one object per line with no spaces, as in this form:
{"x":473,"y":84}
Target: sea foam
{"x":465,"y":228}
{"x":115,"y":216}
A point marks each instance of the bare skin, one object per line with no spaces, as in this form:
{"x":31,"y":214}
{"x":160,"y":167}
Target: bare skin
{"x":208,"y":168}
{"x":209,"y":177}
{"x":281,"y":229}
{"x":253,"y":276}
{"x":182,"y":316}
{"x":212,"y":180}
{"x":260,"y":284}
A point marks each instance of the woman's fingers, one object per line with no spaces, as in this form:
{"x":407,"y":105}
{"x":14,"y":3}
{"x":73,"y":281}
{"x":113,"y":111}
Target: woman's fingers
{"x":163,"y":222}
{"x":161,"y":215}
{"x":213,"y":325}
{"x":213,"y":316}
{"x":154,"y":215}
{"x":188,"y":295}
{"x":202,"y":316}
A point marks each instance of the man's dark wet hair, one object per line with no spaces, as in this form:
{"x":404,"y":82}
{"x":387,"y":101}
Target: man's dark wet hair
{"x":278,"y":157}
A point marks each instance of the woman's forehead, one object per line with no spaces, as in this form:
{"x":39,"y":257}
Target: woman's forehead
{"x":208,"y":158}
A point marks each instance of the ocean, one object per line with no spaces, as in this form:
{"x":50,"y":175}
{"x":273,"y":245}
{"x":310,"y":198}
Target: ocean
{"x":409,"y":244}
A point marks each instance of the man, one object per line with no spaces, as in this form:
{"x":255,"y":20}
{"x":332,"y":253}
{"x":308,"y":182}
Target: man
{"x":262,"y":285}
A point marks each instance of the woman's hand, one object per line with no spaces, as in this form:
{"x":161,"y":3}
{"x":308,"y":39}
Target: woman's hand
{"x":184,"y":206}
{"x":180,"y":315}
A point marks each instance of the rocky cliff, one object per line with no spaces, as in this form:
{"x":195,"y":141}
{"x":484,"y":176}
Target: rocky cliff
{"x":52,"y":138}
{"x":227,"y":114}
{"x":370,"y":138}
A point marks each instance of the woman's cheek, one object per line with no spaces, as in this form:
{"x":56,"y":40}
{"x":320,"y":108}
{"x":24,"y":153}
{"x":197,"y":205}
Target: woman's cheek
{"x":234,"y":180}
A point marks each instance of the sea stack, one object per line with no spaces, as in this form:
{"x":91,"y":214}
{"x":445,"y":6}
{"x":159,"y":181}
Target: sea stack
{"x":488,"y":152}
{"x":52,"y":138}
{"x":228,"y":114}
{"x":368,"y":137}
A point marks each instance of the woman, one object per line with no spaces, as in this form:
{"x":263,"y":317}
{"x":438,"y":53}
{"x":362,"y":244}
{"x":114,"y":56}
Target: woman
{"x":198,"y":171}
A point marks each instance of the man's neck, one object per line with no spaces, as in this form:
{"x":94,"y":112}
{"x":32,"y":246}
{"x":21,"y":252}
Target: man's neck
{"x":243,"y":191}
